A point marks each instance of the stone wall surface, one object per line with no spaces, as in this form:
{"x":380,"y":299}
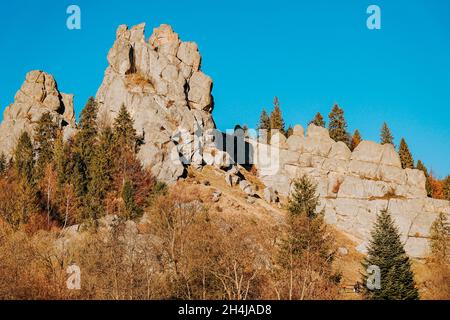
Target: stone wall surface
{"x":353,"y":186}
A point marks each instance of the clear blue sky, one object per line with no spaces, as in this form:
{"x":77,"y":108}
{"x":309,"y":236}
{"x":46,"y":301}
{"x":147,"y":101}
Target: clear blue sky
{"x":310,"y":54}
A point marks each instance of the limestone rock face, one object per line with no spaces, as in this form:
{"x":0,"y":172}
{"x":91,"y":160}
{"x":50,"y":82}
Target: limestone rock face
{"x":353,"y":186}
{"x":168,"y":96}
{"x":38,"y":94}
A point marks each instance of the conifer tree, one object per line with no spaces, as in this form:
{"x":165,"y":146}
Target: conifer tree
{"x":356,"y":140}
{"x":264,"y":126}
{"x":45,"y":135}
{"x":446,"y":188}
{"x":276,"y":118}
{"x":386,"y":251}
{"x":24,"y":158}
{"x":338,"y":126}
{"x":3,"y":163}
{"x":125,"y":136}
{"x":101,"y":175}
{"x":386,"y":136}
{"x":131,"y":209}
{"x":289,"y":132}
{"x":428,"y":186}
{"x":318,"y":120}
{"x":405,"y":155}
{"x":307,"y":253}
{"x":440,"y":238}
{"x":304,"y":199}
{"x":264,"y":121}
{"x":88,"y":129}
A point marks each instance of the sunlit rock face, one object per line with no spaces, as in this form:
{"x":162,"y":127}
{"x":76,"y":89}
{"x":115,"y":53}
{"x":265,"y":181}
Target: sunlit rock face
{"x":38,"y":94}
{"x":353,"y":186}
{"x":160,"y":82}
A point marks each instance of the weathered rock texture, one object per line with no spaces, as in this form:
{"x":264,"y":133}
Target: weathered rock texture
{"x":160,"y":83}
{"x":354,"y":186}
{"x":38,"y":94}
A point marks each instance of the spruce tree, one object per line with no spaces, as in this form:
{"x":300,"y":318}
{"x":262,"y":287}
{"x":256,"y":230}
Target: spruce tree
{"x":276,"y":118}
{"x":88,"y":129}
{"x":386,"y":136}
{"x":304,"y":199}
{"x":428,"y":186}
{"x":45,"y":135}
{"x":356,"y":140}
{"x":307,"y":254}
{"x":131,"y":209}
{"x":264,"y":125}
{"x":3,"y":163}
{"x":338,"y":126}
{"x":386,"y":251}
{"x":405,"y":155}
{"x":446,"y":188}
{"x":125,"y":136}
{"x":264,"y":121}
{"x":318,"y":120}
{"x":101,"y":175}
{"x":24,"y":158}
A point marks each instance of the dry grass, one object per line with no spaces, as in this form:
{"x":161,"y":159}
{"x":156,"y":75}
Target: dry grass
{"x":138,"y":80}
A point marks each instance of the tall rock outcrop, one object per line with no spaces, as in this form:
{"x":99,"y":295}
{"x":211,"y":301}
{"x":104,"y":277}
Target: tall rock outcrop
{"x":160,"y":82}
{"x":354,"y":186}
{"x":38,"y":94}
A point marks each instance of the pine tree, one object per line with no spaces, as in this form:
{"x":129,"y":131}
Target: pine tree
{"x":338,"y":126}
{"x":405,"y":156}
{"x":304,"y":199}
{"x":446,"y":188}
{"x":386,"y":252}
{"x":428,"y":186}
{"x":276,"y":118}
{"x":131,"y":209}
{"x":125,"y":136}
{"x":45,"y":135}
{"x":386,"y":136}
{"x":356,"y":140}
{"x":318,"y":120}
{"x":24,"y":158}
{"x":3,"y":163}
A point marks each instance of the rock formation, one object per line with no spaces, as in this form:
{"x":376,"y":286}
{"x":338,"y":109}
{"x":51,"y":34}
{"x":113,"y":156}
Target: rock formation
{"x":160,"y":83}
{"x":38,"y":94}
{"x":354,"y":186}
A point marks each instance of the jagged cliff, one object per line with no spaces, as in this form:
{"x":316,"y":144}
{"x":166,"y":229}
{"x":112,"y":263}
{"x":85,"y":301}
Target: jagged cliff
{"x":39,"y":94}
{"x":161,"y":84}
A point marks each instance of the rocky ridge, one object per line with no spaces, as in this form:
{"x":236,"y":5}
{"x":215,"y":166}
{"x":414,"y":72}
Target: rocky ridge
{"x":353,"y":186}
{"x":38,"y":94}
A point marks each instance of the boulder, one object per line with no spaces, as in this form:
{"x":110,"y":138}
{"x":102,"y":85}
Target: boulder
{"x":340,"y":151}
{"x":368,"y":151}
{"x":270,"y":195}
{"x":317,"y":132}
{"x":299,"y":131}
